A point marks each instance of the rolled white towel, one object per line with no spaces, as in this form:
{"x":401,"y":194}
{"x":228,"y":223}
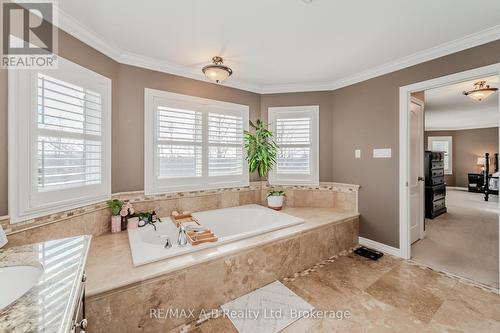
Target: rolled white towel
{"x":196,"y":228}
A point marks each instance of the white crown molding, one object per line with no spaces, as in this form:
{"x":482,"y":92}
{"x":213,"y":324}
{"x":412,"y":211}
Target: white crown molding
{"x":461,"y":128}
{"x":457,"y":45}
{"x":86,"y":35}
{"x":132,"y":59}
{"x":73,"y":27}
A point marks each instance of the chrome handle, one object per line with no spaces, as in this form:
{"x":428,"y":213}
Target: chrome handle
{"x":421,"y":179}
{"x":84,"y":277}
{"x":182,"y":237}
{"x":83,"y":324}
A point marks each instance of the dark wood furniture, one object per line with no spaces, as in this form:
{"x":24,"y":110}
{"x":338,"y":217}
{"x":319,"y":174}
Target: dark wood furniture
{"x":435,"y":188}
{"x":488,"y":176}
{"x":475,"y":182}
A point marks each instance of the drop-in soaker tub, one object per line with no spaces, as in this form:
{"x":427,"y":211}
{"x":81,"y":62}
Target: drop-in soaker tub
{"x":229,"y":224}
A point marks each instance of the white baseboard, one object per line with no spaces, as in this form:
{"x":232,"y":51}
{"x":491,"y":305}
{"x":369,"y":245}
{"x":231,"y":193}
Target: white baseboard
{"x":457,"y":188}
{"x":380,"y":247}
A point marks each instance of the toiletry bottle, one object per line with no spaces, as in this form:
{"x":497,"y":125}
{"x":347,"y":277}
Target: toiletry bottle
{"x":154,"y":217}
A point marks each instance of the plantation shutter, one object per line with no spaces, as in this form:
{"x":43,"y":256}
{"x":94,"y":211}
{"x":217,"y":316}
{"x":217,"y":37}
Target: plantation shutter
{"x":225,"y":142}
{"x":293,"y":136}
{"x":69,"y":135}
{"x":193,"y":143}
{"x":296,"y":131}
{"x":178,"y":143}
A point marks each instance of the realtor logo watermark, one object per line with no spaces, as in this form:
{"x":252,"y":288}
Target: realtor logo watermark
{"x":28,"y":34}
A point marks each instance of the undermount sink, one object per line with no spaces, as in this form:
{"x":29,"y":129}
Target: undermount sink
{"x":15,"y":281}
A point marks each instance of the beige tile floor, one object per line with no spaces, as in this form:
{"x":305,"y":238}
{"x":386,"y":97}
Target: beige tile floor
{"x":463,"y":241}
{"x":389,"y":295}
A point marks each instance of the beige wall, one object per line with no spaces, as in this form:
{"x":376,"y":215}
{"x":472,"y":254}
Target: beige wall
{"x":128,"y":85}
{"x":467,"y":146}
{"x":80,"y":53}
{"x":323,"y":99}
{"x":361,"y":116}
{"x":366,"y":116}
{"x":128,"y":169}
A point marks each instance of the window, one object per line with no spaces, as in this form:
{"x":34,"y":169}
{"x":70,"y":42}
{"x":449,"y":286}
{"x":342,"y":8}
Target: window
{"x":193,"y":143}
{"x":59,"y":139}
{"x":443,"y":144}
{"x":296,"y":131}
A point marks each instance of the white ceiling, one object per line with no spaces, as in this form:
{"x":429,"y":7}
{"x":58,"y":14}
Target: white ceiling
{"x":446,"y":108}
{"x":276,"y":45}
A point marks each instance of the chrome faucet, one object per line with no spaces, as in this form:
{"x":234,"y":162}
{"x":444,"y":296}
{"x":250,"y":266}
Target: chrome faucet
{"x":168,"y":244}
{"x":182,"y":237}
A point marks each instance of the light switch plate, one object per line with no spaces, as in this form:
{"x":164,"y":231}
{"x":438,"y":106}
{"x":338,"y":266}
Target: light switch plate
{"x":382,"y":153}
{"x":357,"y":153}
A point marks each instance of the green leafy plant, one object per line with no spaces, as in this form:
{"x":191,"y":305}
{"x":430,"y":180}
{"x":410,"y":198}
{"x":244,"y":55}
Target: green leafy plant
{"x":147,"y":216}
{"x":116,"y":206}
{"x":277,"y":193}
{"x":261,"y":149}
{"x":142,"y":215}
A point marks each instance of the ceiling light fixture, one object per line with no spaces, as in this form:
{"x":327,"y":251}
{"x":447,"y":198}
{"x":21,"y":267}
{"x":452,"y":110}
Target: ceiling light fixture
{"x":217,"y":71}
{"x":481,"y":91}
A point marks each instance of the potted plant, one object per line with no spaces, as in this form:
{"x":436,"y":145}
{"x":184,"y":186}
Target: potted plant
{"x":275,"y":199}
{"x":260,"y":148}
{"x":116,"y":218}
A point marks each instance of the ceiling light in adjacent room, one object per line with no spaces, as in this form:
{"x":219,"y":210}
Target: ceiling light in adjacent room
{"x":217,"y":71}
{"x":481,"y":91}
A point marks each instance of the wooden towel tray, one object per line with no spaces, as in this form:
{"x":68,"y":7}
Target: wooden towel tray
{"x":194,"y":237}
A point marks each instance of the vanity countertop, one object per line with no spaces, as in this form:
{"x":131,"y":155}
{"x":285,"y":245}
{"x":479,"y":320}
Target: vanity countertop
{"x":49,"y":305}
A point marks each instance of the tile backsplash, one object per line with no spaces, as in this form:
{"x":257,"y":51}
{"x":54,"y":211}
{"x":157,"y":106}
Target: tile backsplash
{"x":95,"y":219}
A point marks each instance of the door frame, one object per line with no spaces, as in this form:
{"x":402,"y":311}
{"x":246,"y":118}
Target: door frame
{"x":421,"y":208}
{"x":404,"y":142}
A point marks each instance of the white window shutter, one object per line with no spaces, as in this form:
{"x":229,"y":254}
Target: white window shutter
{"x":178,"y":143}
{"x":59,"y":140}
{"x":225,"y":141}
{"x":198,"y":143}
{"x":69,"y":135}
{"x":293,"y":136}
{"x":296,"y":131}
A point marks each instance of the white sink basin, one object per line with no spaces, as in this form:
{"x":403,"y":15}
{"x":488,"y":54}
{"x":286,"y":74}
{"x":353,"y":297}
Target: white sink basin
{"x":15,"y":281}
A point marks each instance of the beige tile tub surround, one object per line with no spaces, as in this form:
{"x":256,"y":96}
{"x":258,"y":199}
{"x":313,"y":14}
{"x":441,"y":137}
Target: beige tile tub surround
{"x":119,"y":295}
{"x":95,"y":219}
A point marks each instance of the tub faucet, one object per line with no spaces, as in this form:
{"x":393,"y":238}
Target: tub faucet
{"x":182,"y":237}
{"x":168,"y":244}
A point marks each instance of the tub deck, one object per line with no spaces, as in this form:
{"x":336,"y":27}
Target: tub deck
{"x":109,"y":265}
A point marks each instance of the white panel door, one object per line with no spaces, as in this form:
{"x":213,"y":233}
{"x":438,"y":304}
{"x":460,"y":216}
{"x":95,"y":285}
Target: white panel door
{"x":416,"y":182}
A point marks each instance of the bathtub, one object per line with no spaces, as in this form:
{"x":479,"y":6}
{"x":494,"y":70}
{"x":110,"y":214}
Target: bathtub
{"x":229,"y":224}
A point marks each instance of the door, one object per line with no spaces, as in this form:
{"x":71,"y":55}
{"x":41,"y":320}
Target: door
{"x":416,"y":182}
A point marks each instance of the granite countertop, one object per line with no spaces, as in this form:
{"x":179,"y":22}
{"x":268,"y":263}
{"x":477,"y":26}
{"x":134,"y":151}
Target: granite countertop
{"x":49,"y":305}
{"x":116,"y":270}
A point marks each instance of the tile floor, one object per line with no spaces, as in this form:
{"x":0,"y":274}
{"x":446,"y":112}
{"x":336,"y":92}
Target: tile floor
{"x":389,"y":295}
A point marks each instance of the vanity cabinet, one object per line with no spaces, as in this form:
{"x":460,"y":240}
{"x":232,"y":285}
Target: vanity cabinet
{"x":79,"y":320}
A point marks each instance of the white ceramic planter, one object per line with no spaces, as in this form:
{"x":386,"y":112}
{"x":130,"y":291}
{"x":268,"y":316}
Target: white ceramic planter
{"x":275,"y":201}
